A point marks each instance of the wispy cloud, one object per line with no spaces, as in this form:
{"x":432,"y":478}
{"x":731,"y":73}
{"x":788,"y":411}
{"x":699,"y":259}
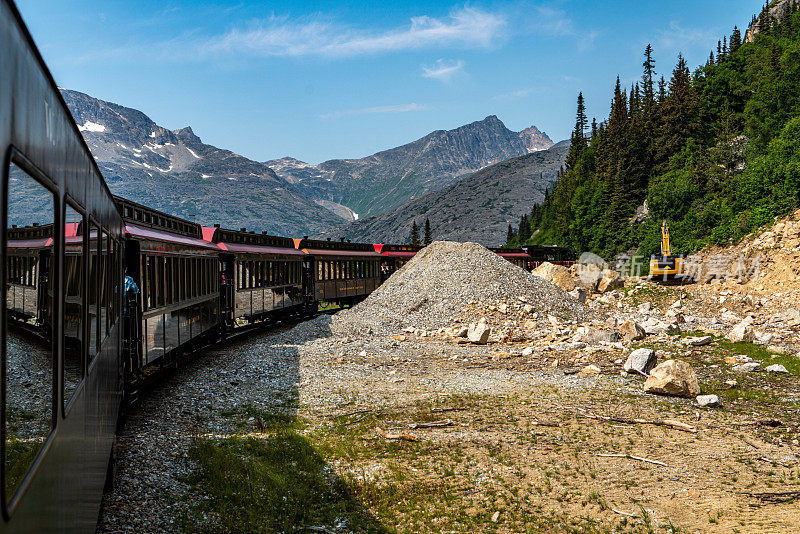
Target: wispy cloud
{"x":396,"y":108}
{"x":676,"y":37}
{"x":319,"y":36}
{"x":443,"y":70}
{"x":556,"y":23}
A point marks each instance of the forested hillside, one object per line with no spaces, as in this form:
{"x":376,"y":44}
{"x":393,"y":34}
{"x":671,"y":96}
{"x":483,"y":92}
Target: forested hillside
{"x":715,"y":152}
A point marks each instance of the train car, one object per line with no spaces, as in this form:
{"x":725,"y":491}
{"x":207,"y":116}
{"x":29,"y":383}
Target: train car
{"x":177,"y":274}
{"x":344,"y":273}
{"x":394,"y":257}
{"x":62,"y":384}
{"x":517,"y":256}
{"x":542,"y":253}
{"x":261,"y":276}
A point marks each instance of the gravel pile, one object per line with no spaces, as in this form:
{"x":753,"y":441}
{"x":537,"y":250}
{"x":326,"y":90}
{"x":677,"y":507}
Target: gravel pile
{"x":443,"y":280}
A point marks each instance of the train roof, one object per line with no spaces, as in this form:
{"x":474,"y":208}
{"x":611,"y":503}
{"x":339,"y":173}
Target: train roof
{"x":318,"y":247}
{"x":143,"y":217}
{"x":245,"y":242}
{"x":397,"y":251}
{"x":152,"y":234}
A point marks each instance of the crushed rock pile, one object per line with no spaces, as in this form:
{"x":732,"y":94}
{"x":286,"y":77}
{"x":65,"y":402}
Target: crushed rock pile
{"x":448,"y":282}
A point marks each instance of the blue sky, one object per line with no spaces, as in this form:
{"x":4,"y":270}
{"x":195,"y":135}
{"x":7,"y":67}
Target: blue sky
{"x":321,"y":80}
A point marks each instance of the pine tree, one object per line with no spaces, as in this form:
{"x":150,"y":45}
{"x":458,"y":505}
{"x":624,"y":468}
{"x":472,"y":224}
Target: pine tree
{"x":428,"y":239}
{"x":736,"y":39}
{"x":662,"y":90}
{"x":594,"y":127}
{"x":414,"y":233}
{"x":774,"y":58}
{"x":578,"y":138}
{"x":648,"y":90}
{"x":511,"y":234}
{"x":724,"y":47}
{"x":680,"y":114}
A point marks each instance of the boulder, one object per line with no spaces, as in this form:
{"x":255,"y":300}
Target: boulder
{"x":742,"y":332}
{"x":746,"y":367}
{"x":610,"y":280}
{"x":630,"y":330}
{"x":602,"y":336}
{"x":763,"y":338}
{"x":674,"y":378}
{"x":527,"y":308}
{"x":527,"y":351}
{"x":462,"y":332}
{"x":645,"y":307}
{"x":708,"y":400}
{"x":777,"y":368}
{"x":548,"y":270}
{"x":698,"y":341}
{"x":641,"y":361}
{"x":478,"y":333}
{"x":564,"y":280}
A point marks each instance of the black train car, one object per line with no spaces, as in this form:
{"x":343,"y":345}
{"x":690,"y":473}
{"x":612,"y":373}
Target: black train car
{"x":394,"y":257}
{"x":177,"y":273}
{"x":62,"y":388}
{"x":261,"y":276}
{"x":517,"y":256}
{"x":344,"y":272}
{"x":542,"y":253}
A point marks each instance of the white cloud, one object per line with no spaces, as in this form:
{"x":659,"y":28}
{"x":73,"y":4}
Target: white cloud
{"x":396,"y":108}
{"x":677,"y":37}
{"x":556,"y":23}
{"x":467,"y":27}
{"x":443,"y":70}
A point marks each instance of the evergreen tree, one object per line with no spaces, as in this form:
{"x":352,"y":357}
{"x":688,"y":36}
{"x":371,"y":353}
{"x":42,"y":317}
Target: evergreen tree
{"x":662,"y":90}
{"x":428,"y":239}
{"x":736,"y":40}
{"x":774,"y":58}
{"x":511,"y":234}
{"x":680,"y":115}
{"x":594,"y":127}
{"x":648,"y":88}
{"x":578,"y":139}
{"x":414,"y":238}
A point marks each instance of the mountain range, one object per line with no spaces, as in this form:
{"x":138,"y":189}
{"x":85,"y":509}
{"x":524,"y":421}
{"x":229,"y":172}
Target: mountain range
{"x":174,"y":171}
{"x":388,"y":179}
{"x":478,"y":208}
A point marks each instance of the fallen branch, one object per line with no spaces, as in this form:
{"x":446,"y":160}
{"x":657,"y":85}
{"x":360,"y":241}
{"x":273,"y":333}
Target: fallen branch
{"x":403,"y":437}
{"x":541,"y":423}
{"x":620,"y":512}
{"x":761,"y":422}
{"x":775,"y":496}
{"x":672,"y":423}
{"x":432,"y":424}
{"x":631,"y":457}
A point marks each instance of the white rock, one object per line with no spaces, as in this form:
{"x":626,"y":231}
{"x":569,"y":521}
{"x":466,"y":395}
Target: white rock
{"x":697,"y":341}
{"x":527,"y":351}
{"x":746,"y":367}
{"x":641,"y":361}
{"x":527,"y":308}
{"x":777,"y":368}
{"x":478,"y":333}
{"x":708,"y":400}
{"x":741,"y":332}
{"x":645,"y":308}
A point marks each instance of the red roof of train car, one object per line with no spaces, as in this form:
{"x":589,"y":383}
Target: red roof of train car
{"x":166,"y":237}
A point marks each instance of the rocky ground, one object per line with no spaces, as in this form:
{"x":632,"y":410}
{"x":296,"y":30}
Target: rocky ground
{"x":649,"y":408}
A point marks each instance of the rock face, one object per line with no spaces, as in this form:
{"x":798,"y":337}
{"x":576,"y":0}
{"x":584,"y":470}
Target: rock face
{"x":776,"y":10}
{"x":387,"y":179}
{"x":610,"y":280}
{"x":479,"y":207}
{"x":673,"y":378}
{"x":630,"y":330}
{"x":174,"y":171}
{"x":641,"y":361}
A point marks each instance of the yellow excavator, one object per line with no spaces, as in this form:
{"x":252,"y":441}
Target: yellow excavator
{"x":666,"y":266}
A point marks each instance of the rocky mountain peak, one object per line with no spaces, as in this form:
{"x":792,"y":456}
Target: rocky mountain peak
{"x":187,"y":135}
{"x":776,"y":11}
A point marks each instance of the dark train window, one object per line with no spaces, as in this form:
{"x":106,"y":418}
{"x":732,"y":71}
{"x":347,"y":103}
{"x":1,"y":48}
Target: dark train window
{"x":29,"y":403}
{"x":169,"y":280}
{"x":72,"y":366}
{"x":158,"y":282}
{"x":92,"y":288}
{"x":105,"y":283}
{"x":99,"y":282}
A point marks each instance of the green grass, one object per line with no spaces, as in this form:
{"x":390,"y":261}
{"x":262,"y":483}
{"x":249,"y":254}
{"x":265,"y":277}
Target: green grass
{"x":278,"y":483}
{"x":762,"y":354}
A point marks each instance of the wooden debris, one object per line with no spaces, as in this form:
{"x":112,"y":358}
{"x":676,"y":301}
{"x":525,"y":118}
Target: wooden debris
{"x":631,"y":457}
{"x":453,"y":409}
{"x":432,"y":424}
{"x":402,"y":437}
{"x":672,"y":423}
{"x":775,"y":496}
{"x":620,"y":512}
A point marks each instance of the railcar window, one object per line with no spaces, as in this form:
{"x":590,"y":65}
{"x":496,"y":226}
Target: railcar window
{"x":91,"y":287}
{"x":72,"y":365}
{"x":29,"y":362}
{"x":159,"y":294}
{"x":105,"y":323}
